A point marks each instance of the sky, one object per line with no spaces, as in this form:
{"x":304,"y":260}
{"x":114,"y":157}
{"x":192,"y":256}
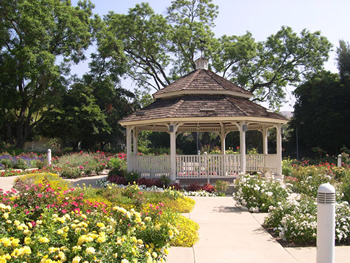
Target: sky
{"x":260,"y":17}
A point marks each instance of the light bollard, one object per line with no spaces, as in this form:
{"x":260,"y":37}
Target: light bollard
{"x":339,"y":160}
{"x":49,"y":156}
{"x":325,"y":223}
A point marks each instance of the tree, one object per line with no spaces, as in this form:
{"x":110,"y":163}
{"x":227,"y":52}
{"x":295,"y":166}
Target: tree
{"x":265,"y":68}
{"x":343,"y":52}
{"x":322,"y":114}
{"x":77,"y":117}
{"x":161,"y":49}
{"x":33,"y":35}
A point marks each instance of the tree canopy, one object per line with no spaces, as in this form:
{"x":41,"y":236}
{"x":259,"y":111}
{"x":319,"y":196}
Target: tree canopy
{"x":34,"y":34}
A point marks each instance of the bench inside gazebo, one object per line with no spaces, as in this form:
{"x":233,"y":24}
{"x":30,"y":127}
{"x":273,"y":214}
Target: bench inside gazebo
{"x":202,"y":101}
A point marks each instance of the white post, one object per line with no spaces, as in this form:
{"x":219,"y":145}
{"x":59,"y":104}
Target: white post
{"x":339,"y":160}
{"x":279,"y":149}
{"x":172,"y":131}
{"x":135,"y":142}
{"x":325,"y":223}
{"x":49,"y":156}
{"x":223,"y":138}
{"x":242,"y":130}
{"x":128,"y":149}
{"x":265,"y":141}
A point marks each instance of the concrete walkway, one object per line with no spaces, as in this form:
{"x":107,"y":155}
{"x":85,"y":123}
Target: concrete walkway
{"x":229,"y":234}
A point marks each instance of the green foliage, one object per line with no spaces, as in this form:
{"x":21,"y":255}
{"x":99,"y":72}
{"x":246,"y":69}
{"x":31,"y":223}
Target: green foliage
{"x":343,"y":52}
{"x":321,"y":112}
{"x":345,"y":187}
{"x":117,"y":163}
{"x":69,"y":172}
{"x":53,"y":179}
{"x":7,"y":163}
{"x":222,"y":186}
{"x":76,"y":117}
{"x":35,"y":33}
{"x":165,"y":180}
{"x":257,"y":194}
{"x":306,"y":180}
{"x":131,"y":176}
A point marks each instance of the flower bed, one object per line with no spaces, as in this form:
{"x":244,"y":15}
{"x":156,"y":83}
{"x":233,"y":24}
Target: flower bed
{"x":293,"y":219}
{"x":49,"y":222}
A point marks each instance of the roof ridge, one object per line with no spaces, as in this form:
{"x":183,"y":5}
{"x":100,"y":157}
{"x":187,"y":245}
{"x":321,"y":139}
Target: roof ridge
{"x":195,"y":73}
{"x":177,"y":105}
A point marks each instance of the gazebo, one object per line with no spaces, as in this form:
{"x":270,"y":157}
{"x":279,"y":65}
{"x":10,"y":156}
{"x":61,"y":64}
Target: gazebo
{"x":202,"y":101}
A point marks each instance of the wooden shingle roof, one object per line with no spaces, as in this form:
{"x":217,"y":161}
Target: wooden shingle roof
{"x":201,"y":106}
{"x":199,"y":98}
{"x":202,"y":81}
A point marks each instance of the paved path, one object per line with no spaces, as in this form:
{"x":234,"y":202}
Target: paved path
{"x":228,"y":234}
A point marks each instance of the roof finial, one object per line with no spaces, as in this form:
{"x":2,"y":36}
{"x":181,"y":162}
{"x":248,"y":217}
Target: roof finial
{"x":201,"y":63}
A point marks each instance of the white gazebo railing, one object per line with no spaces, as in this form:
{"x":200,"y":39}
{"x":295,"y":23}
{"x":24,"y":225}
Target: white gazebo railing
{"x":203,"y":166}
{"x":153,"y":166}
{"x":206,"y":166}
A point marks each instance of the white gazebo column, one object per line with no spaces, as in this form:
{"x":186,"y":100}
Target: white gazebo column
{"x":222,"y":139}
{"x":279,"y":148}
{"x":242,"y":146}
{"x":128,"y":148}
{"x":265,"y":133}
{"x":135,"y":141}
{"x":172,"y":131}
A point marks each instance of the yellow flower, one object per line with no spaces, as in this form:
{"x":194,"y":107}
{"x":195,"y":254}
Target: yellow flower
{"x":166,"y":251}
{"x":76,"y":259}
{"x":14,"y":242}
{"x":101,"y":239}
{"x":100,"y":225}
{"x":44,"y":240}
{"x":27,"y":240}
{"x":76,"y":248}
{"x":5,"y":215}
{"x":157,"y":227}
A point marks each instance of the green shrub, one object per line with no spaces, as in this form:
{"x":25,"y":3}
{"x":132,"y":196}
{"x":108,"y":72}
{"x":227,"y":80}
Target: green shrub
{"x":221,"y":186}
{"x":345,"y":188}
{"x":71,"y":172}
{"x":7,"y":163}
{"x":116,"y":163}
{"x":131,"y":176}
{"x":165,"y":180}
{"x":55,"y":181}
{"x":306,"y":180}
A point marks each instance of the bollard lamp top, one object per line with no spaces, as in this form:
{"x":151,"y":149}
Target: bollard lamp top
{"x":326,"y":188}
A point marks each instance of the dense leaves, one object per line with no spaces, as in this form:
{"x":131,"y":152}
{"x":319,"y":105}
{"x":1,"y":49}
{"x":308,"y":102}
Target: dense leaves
{"x":321,"y":114}
{"x":33,"y":35}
